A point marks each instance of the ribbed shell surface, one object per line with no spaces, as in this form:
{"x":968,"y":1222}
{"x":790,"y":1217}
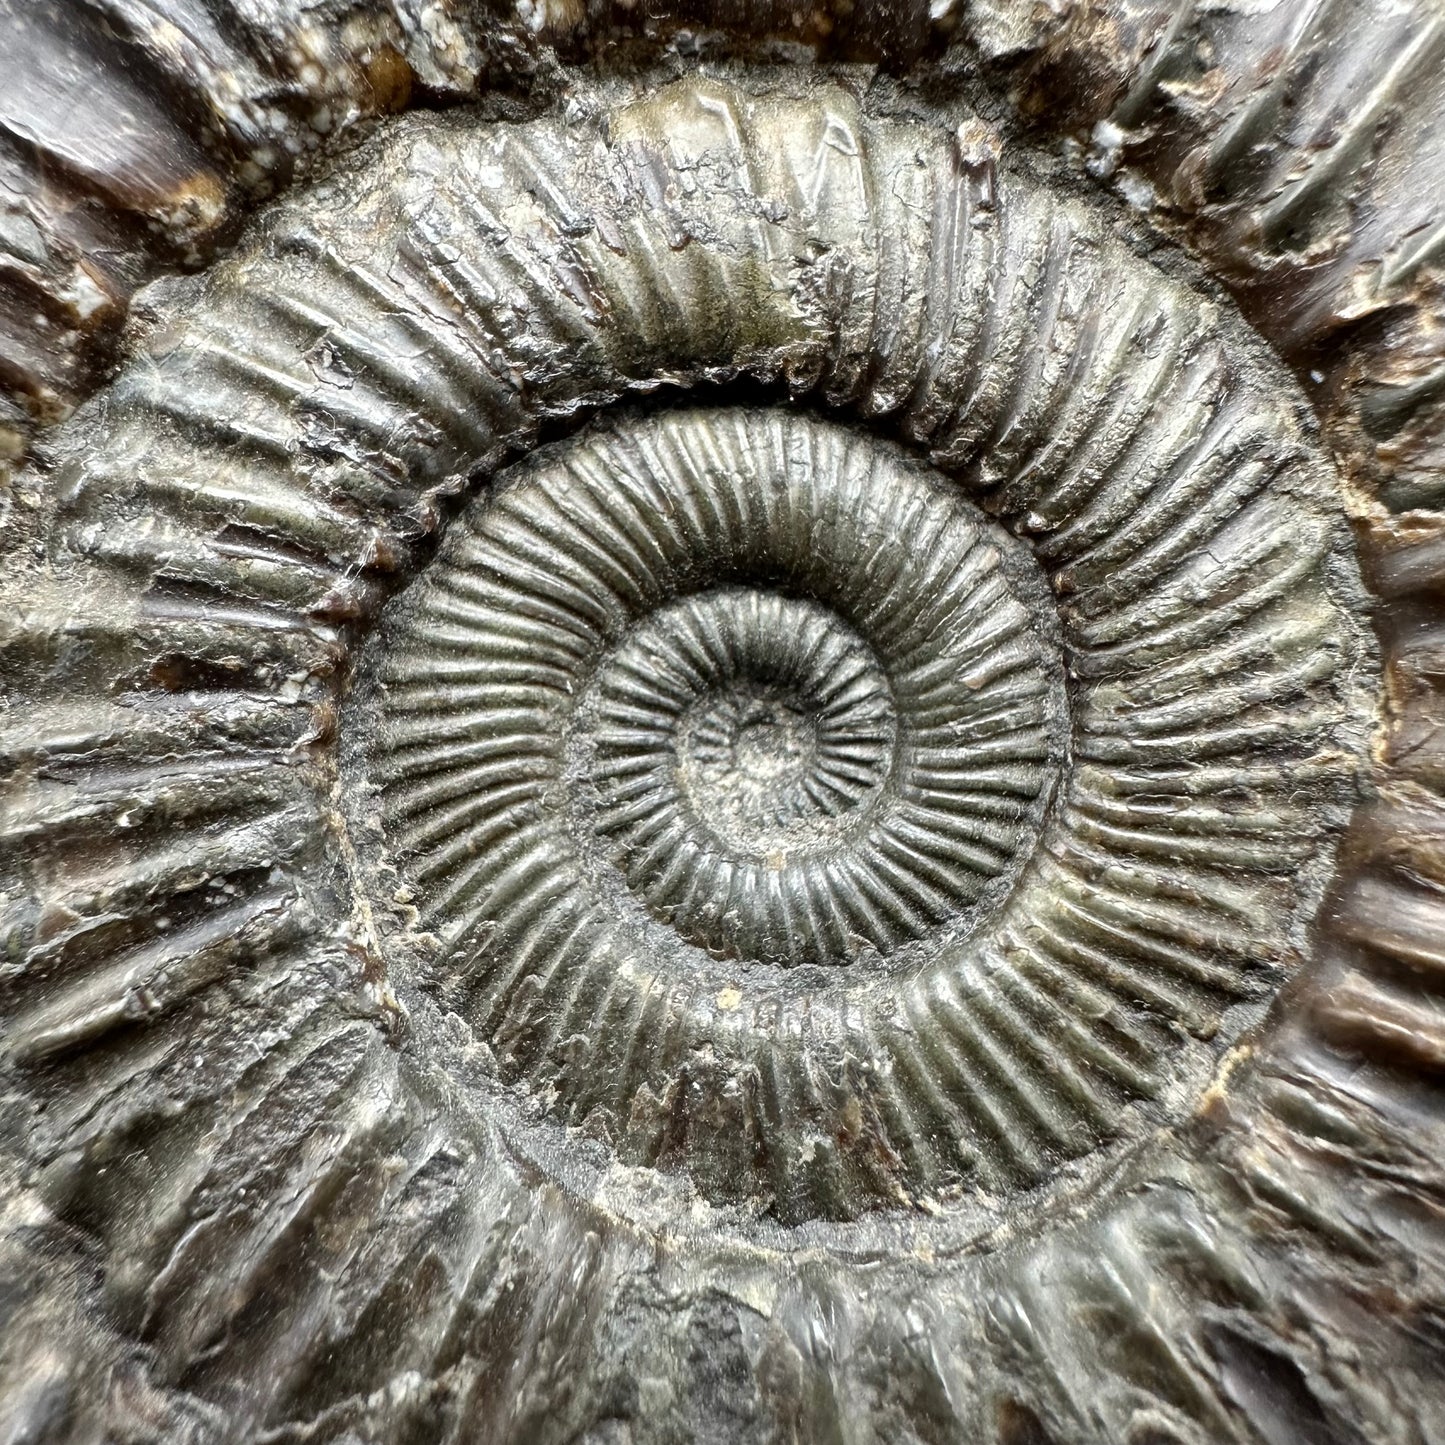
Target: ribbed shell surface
{"x":338,"y":1087}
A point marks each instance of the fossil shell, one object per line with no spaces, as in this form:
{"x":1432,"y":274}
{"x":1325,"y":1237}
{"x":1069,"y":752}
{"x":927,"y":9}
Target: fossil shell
{"x":663,"y":762}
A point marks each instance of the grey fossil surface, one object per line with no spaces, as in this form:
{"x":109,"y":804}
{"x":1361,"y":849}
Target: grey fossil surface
{"x":721,"y":724}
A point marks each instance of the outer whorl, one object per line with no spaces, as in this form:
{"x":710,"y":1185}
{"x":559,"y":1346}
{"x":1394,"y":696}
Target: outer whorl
{"x":857,"y":820}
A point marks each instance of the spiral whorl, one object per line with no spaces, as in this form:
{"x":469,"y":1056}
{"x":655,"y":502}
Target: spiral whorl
{"x":809,"y":705}
{"x":830,"y":832}
{"x":696,"y":704}
{"x":758,"y":713}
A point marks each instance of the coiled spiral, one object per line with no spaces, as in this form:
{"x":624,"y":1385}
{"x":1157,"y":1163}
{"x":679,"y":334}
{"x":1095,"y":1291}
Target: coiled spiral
{"x":695,"y":707}
{"x":811,"y":711}
{"x":1040,"y":504}
{"x":322,"y":1124}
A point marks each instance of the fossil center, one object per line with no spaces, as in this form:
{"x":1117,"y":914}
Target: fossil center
{"x":773,"y":717}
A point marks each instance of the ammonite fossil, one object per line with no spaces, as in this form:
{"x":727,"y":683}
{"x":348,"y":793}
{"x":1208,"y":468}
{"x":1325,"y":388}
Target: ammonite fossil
{"x":728,"y":737}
